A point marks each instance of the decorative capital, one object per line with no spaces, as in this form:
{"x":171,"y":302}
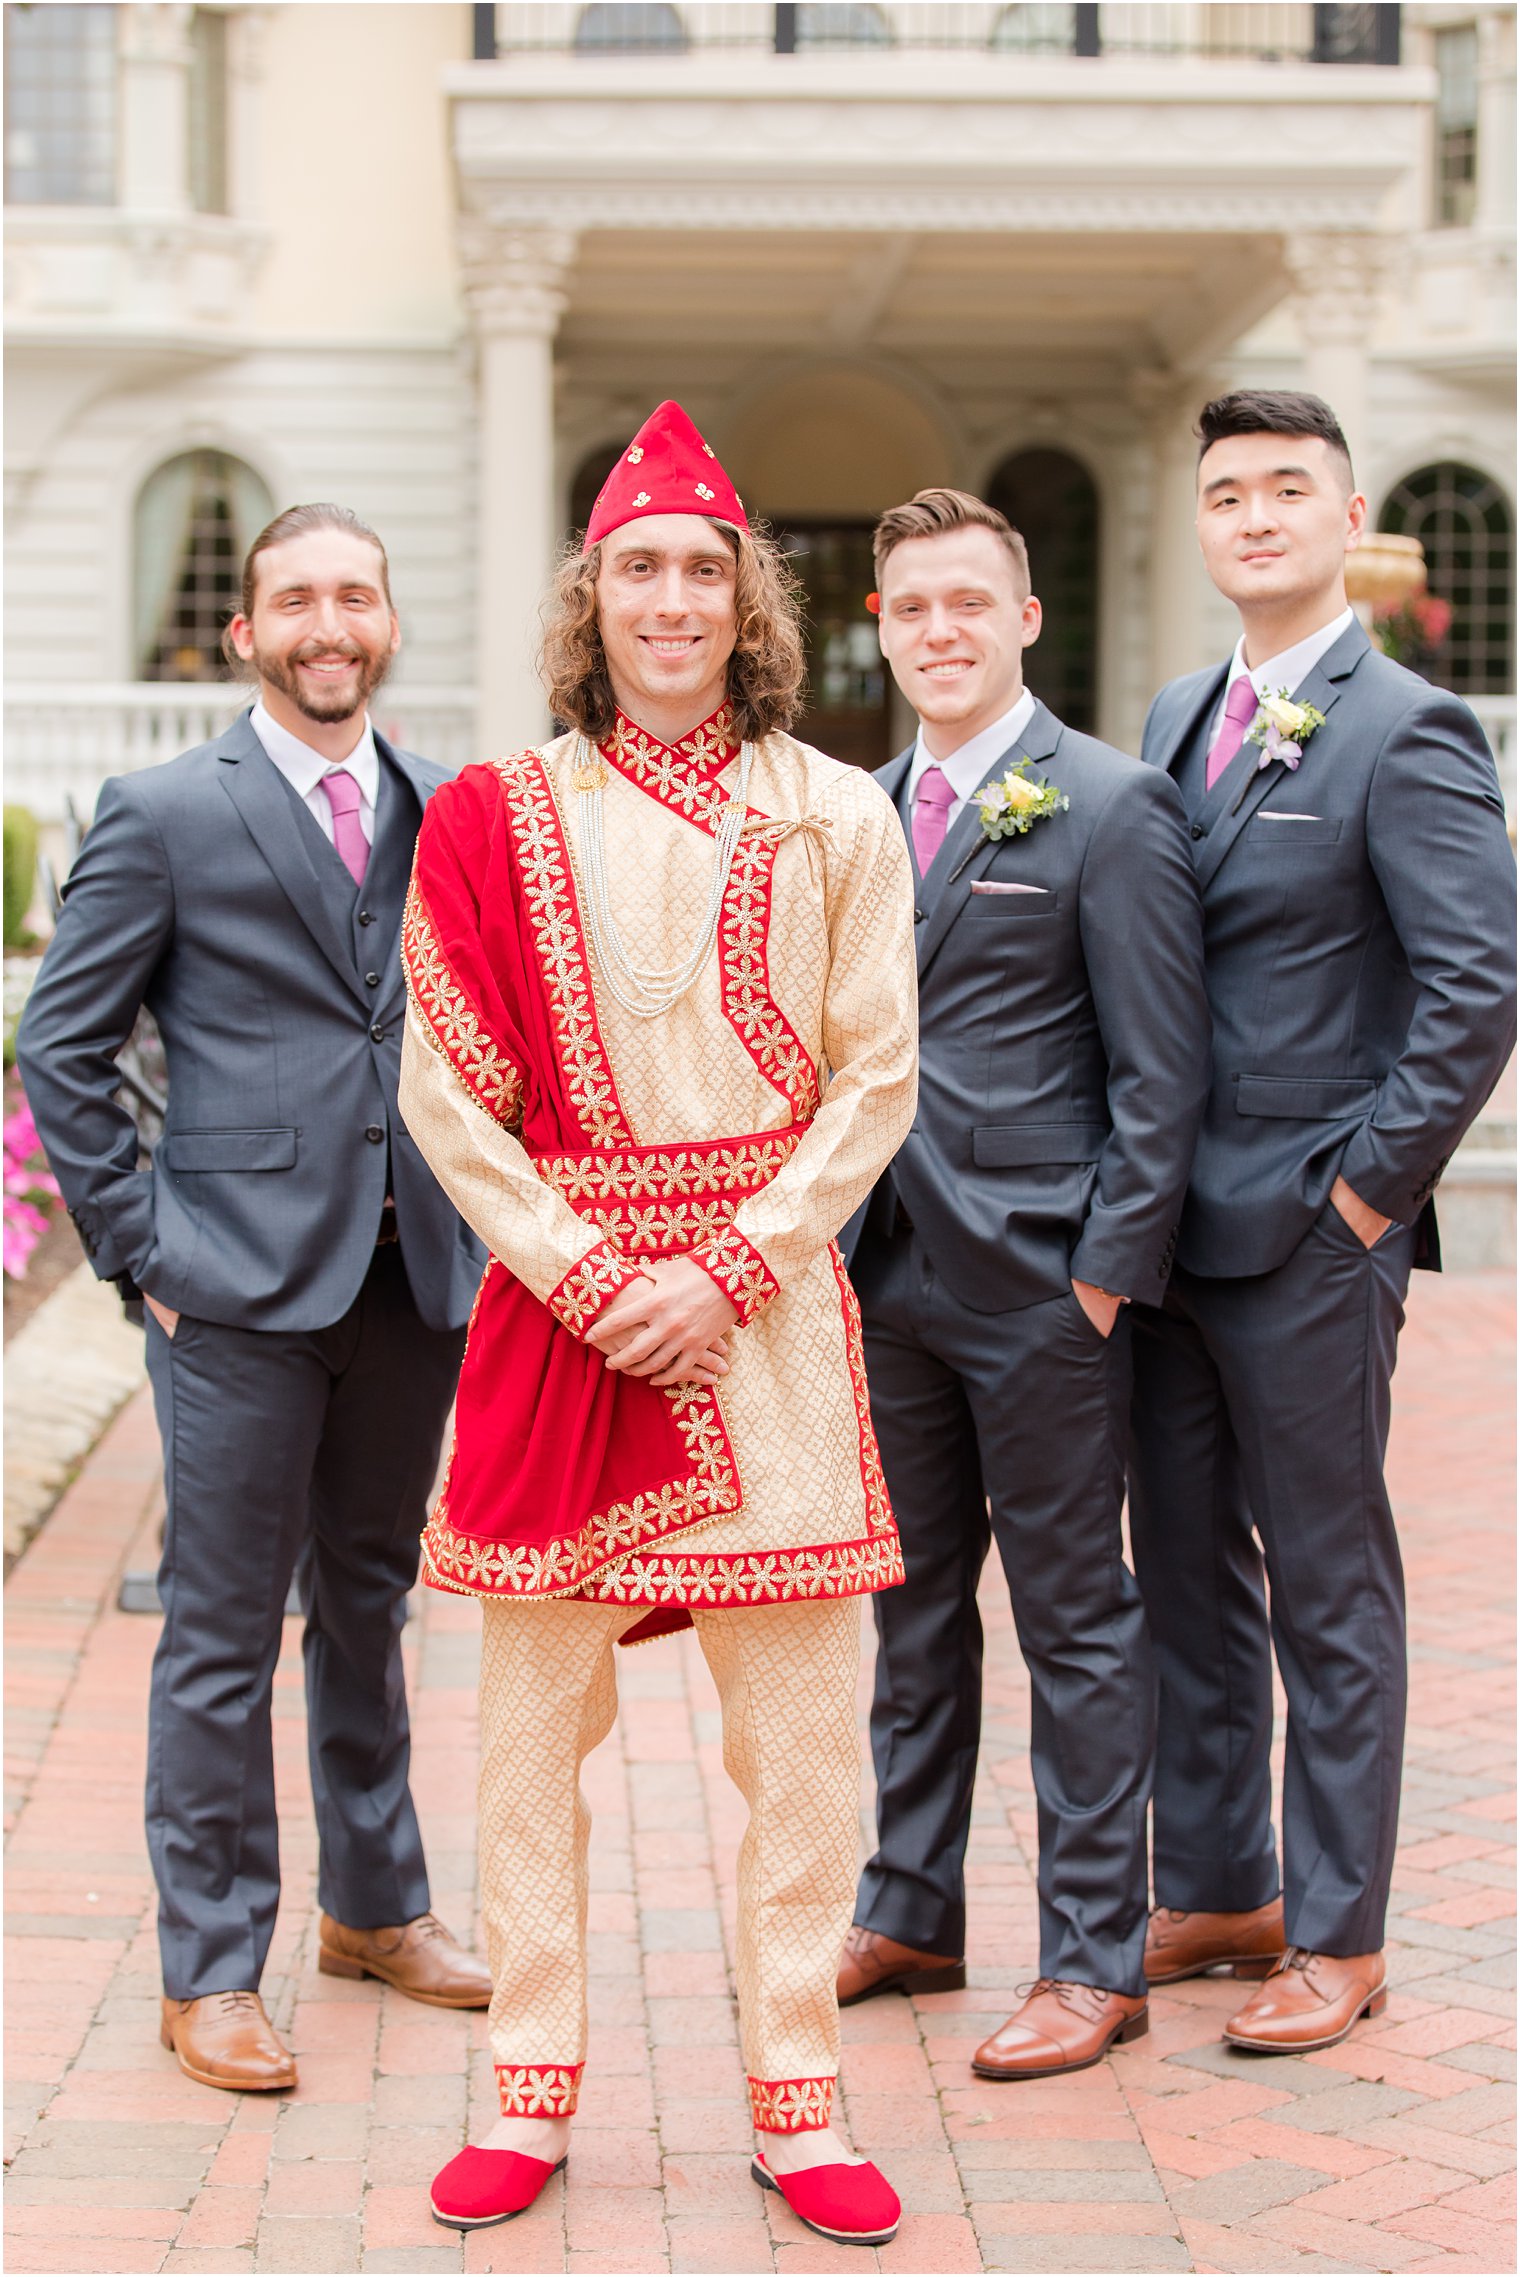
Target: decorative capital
{"x":514,"y":279}
{"x":1338,"y":280}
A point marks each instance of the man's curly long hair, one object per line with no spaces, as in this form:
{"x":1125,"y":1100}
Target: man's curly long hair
{"x":765,"y":673}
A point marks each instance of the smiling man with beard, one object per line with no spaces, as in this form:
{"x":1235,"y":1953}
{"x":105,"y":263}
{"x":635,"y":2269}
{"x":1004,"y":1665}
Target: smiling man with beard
{"x":306,"y":1281}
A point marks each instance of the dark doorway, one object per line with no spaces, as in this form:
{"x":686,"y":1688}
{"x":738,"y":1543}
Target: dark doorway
{"x":847,"y":714}
{"x":1052,"y":498}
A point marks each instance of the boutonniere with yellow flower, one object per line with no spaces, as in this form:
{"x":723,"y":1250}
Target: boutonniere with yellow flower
{"x":1282,"y":728}
{"x":1018,"y":802}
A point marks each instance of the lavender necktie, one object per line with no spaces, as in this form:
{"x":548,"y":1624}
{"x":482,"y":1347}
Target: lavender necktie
{"x":342,"y":795}
{"x":931,"y":815}
{"x":1239,"y":711}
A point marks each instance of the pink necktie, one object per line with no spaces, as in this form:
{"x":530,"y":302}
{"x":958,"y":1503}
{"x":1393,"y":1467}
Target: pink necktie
{"x":342,"y":795}
{"x":931,"y":815}
{"x":1239,"y":711}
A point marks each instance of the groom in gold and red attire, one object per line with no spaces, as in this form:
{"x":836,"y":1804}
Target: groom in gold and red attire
{"x":661,"y":1043}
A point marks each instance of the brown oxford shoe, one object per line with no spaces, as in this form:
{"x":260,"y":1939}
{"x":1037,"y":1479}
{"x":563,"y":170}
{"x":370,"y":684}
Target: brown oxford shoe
{"x":872,"y":1963}
{"x":1179,"y":1945}
{"x":420,"y":1959}
{"x":1311,"y":2000}
{"x":224,"y":2039}
{"x":1060,"y":2027}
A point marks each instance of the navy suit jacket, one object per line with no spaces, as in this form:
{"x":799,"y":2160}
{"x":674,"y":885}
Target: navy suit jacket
{"x":200,"y":893}
{"x":1063,"y":1034}
{"x":1360,"y":958}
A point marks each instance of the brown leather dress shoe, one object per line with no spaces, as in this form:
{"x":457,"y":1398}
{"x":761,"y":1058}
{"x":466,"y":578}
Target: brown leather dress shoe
{"x":1179,"y":1945}
{"x":1310,"y":2000}
{"x":420,"y":1959}
{"x":224,"y":2039}
{"x":872,"y":1963}
{"x":1060,"y":2027}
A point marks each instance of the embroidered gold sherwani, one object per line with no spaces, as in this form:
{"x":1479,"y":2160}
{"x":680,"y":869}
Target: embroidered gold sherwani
{"x":742,"y":1126}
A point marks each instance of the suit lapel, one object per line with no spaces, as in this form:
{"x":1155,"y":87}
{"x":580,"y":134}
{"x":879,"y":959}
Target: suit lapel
{"x":251,"y":780}
{"x":965,"y":852}
{"x":1169,"y":753}
{"x":1323,"y":687}
{"x":392,"y":819}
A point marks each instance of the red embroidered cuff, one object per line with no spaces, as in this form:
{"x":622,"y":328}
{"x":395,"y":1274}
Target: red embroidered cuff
{"x":590,"y":1286}
{"x":790,"y":2106}
{"x":538,"y":2091}
{"x":733,"y":1261}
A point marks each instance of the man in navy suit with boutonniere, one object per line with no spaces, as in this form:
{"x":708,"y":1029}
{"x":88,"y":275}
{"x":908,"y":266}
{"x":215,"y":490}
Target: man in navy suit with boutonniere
{"x":1064,"y":1058}
{"x":1358,"y":899}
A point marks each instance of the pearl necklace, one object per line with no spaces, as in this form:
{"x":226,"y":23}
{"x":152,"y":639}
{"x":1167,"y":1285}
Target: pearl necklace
{"x":648,"y":990}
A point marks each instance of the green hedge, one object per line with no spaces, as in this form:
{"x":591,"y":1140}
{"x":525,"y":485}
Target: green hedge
{"x":20,"y":872}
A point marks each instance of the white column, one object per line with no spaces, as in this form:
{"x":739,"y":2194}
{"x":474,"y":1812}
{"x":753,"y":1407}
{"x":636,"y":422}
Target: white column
{"x":514,"y":282}
{"x":1174,"y":583}
{"x":155,"y":109}
{"x":1337,"y":278}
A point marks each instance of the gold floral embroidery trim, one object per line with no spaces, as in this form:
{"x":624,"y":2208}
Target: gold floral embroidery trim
{"x":474,"y":1567}
{"x":589,"y":1286}
{"x":473,"y":1052}
{"x":790,"y":2106}
{"x":543,"y":861}
{"x":751,"y":1577}
{"x":539,"y":2091}
{"x":733,"y":1261}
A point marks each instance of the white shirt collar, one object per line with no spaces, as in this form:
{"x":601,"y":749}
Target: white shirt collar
{"x":1295,"y":663}
{"x":304,"y":768}
{"x":965,"y":768}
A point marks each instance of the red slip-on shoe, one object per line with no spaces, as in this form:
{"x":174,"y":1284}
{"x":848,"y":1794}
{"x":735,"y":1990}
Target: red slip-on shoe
{"x":851,"y":2205}
{"x":480,"y":2187}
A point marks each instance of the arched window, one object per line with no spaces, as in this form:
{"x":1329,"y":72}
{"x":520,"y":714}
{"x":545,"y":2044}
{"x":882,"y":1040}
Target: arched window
{"x":834,"y":23}
{"x":590,"y":475}
{"x":1467,"y":527}
{"x":1035,"y":27}
{"x":196,"y":517}
{"x":1051,"y":498}
{"x":629,"y":27}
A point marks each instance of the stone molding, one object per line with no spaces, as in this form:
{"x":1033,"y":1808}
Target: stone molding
{"x":1338,"y":278}
{"x":514,"y":276}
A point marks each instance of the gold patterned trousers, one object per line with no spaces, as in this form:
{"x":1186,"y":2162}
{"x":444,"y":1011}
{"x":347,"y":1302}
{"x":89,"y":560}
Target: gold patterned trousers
{"x":548,"y":1693}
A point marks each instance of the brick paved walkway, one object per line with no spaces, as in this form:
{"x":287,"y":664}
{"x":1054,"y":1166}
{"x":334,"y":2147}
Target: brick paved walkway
{"x":1391,"y":2152}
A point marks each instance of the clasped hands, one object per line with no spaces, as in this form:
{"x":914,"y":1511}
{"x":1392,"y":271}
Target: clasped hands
{"x":671,"y":1325}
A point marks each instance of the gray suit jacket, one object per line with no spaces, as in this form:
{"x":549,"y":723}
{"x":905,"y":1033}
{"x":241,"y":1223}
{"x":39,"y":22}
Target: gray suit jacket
{"x":1063,"y":1035}
{"x":1361,"y":964}
{"x":203,"y":891}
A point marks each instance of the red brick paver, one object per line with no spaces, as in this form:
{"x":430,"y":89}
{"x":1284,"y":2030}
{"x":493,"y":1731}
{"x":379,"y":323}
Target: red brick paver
{"x":1392,"y":2152}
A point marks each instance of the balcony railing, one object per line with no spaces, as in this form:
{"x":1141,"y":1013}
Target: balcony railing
{"x":1239,"y":31}
{"x":62,"y":742}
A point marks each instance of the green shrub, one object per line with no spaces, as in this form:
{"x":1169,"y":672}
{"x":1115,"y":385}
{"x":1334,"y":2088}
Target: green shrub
{"x":20,"y":872}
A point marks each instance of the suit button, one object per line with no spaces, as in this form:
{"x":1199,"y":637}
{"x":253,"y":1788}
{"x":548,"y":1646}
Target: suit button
{"x":372,"y":980}
{"x":374,"y":1134}
{"x":377,"y":1034}
{"x":918,"y":917}
{"x":366,"y":917}
{"x":1198,"y":830}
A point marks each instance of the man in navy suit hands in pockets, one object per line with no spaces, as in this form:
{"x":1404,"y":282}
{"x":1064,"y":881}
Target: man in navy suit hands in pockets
{"x":1064,"y":1058}
{"x":1358,"y":899}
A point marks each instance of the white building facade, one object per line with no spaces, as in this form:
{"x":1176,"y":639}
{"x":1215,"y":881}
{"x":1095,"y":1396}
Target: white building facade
{"x":438,"y":262}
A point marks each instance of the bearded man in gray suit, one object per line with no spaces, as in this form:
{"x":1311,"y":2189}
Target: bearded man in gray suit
{"x":306,"y":1281}
{"x":1358,"y":898}
{"x":1063,"y":1060}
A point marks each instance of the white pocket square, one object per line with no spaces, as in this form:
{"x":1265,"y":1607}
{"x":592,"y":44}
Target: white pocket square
{"x":1002,"y":885}
{"x":1276,"y":814}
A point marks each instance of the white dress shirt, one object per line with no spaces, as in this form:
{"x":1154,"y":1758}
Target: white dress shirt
{"x":1285,"y":671}
{"x":964,"y":769}
{"x":304,"y":768}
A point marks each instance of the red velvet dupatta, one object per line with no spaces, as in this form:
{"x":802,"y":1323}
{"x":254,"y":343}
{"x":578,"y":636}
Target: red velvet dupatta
{"x":559,"y":1465}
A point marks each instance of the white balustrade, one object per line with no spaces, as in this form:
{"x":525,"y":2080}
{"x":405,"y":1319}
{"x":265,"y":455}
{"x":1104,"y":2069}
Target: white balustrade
{"x":62,"y":742}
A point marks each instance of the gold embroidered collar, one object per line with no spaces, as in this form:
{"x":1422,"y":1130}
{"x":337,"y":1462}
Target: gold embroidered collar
{"x":683,"y":776}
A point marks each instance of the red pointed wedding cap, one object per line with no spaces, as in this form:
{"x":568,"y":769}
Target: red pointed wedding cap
{"x":666,"y":469}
